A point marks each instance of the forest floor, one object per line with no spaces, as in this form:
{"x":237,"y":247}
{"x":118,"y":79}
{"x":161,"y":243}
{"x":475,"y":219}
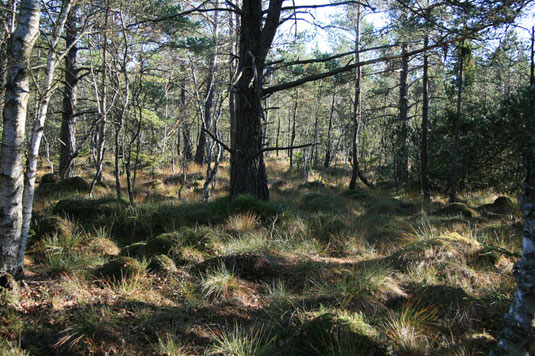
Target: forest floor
{"x":318,"y":270}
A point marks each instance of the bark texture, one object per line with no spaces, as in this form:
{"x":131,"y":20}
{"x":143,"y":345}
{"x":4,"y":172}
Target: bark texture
{"x":247,"y":167}
{"x":14,"y":120}
{"x":516,"y":337}
{"x":424,"y":175}
{"x":402,"y":156}
{"x":67,"y":165}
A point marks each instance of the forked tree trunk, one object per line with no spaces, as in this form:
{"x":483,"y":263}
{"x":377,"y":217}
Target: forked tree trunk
{"x":517,"y":335}
{"x":247,"y":168}
{"x":13,"y":135}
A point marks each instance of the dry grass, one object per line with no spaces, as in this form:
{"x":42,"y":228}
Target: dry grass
{"x":357,"y":272}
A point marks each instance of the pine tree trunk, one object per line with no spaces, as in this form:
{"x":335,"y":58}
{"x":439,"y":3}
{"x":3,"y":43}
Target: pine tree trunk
{"x":402,"y":155}
{"x":355,"y":172}
{"x":327,"y":161}
{"x":455,"y":149}
{"x":67,"y":164}
{"x":292,"y":134}
{"x":13,"y":135}
{"x":247,"y":168}
{"x":424,"y":175}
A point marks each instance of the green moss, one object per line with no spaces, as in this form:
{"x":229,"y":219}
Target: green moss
{"x":455,"y":209}
{"x":90,"y":210}
{"x":327,"y":334}
{"x":248,"y":203}
{"x":122,"y":267}
{"x":391,"y":206}
{"x":52,"y":226}
{"x":161,"y":244}
{"x":162,"y":263}
{"x":134,"y":250}
{"x":324,"y":202}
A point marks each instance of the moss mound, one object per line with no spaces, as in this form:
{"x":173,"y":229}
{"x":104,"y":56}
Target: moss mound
{"x":500,"y":206}
{"x":90,"y":210}
{"x":51,"y":226}
{"x":49,"y":178}
{"x":325,"y":228}
{"x":391,"y":206}
{"x":122,"y":267}
{"x":455,"y":209}
{"x":248,"y":266}
{"x":103,"y":246}
{"x":161,"y":244}
{"x":134,"y":250}
{"x":162,"y":263}
{"x":248,"y":203}
{"x":325,"y":333}
{"x":324,"y":202}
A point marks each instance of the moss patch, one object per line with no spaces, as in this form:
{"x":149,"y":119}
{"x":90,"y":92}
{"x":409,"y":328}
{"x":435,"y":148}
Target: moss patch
{"x":122,"y":267}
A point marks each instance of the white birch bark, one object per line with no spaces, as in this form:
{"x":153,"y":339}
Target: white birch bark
{"x":14,"y":119}
{"x":516,"y":338}
{"x":37,"y":133}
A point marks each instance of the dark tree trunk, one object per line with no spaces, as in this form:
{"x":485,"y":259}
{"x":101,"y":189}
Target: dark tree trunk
{"x":424,"y":176}
{"x":67,"y":164}
{"x":187,"y":150}
{"x":355,"y":172}
{"x":293,"y":133}
{"x":402,"y":156}
{"x":247,"y":168}
{"x":327,"y":161}
{"x":455,"y":149}
{"x":314,"y":152}
{"x":208,"y":97}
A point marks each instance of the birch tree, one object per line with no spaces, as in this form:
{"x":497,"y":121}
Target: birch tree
{"x":14,"y":120}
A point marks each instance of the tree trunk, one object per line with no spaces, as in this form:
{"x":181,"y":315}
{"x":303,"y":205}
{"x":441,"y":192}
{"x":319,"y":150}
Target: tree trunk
{"x":517,"y":335}
{"x":455,"y":149}
{"x":402,"y":157}
{"x":37,"y":132}
{"x":209,"y":95}
{"x":355,"y":172}
{"x":13,"y":134}
{"x":314,"y":152}
{"x":292,"y":134}
{"x":101,"y":143}
{"x":327,"y":161}
{"x":424,"y":175}
{"x":247,"y":168}
{"x":67,"y":164}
